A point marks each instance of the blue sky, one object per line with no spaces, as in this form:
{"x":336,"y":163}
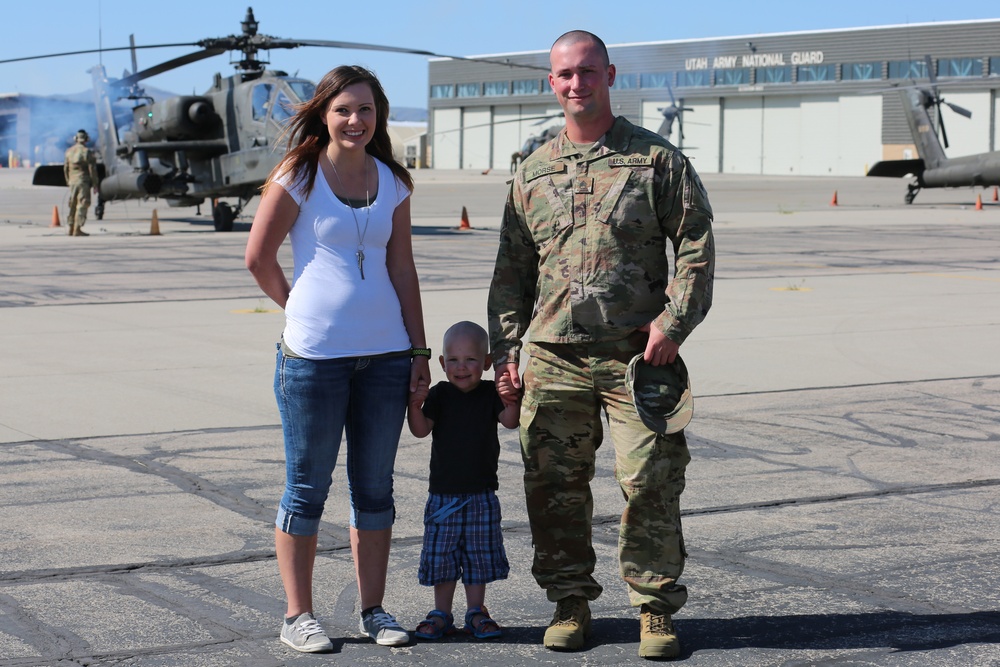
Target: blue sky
{"x":454,"y":27}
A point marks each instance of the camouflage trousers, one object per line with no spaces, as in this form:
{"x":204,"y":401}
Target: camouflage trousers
{"x":79,"y":202}
{"x":566,"y":389}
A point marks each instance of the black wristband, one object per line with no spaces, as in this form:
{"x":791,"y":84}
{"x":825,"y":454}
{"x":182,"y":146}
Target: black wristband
{"x":420,"y":352}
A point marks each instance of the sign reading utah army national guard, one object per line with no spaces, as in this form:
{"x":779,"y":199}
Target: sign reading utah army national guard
{"x":756,"y":60}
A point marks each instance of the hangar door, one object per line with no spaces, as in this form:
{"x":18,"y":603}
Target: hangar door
{"x":476,"y":138}
{"x":513,"y":125}
{"x":446,"y":144}
{"x":701,"y":134}
{"x":815,"y":136}
{"x":742,"y":130}
{"x":859,"y":134}
{"x":781,"y":136}
{"x":819,"y":135}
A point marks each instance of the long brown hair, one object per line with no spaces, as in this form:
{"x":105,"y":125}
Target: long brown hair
{"x":308,"y":135}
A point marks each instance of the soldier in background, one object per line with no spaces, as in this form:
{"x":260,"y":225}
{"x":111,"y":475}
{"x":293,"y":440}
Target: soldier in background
{"x":591,"y":222}
{"x":80,"y":169}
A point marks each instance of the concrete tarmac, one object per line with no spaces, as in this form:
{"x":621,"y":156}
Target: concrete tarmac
{"x":841,"y":506}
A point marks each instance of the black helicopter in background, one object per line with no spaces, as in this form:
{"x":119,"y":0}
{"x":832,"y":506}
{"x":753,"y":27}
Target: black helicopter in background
{"x":191,"y":148}
{"x":933,"y":169}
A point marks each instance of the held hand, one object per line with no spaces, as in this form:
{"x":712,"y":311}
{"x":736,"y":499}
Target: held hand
{"x":420,"y":372}
{"x":660,"y":350}
{"x":419,"y":395}
{"x":508,"y":373}
{"x":505,"y":388}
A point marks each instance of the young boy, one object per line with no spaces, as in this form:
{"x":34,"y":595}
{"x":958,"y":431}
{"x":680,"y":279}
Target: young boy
{"x":462,"y":538}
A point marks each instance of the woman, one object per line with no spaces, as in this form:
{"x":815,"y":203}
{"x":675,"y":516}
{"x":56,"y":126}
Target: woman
{"x":353,"y":344}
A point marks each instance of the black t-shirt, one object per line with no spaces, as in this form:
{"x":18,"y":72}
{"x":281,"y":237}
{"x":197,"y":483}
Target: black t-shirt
{"x":465,"y":449}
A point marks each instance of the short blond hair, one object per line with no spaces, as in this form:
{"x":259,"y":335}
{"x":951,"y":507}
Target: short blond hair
{"x":470,"y":330}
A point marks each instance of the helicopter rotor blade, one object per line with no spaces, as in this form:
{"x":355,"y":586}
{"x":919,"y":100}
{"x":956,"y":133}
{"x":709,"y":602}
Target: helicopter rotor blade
{"x":961,"y":111}
{"x":131,"y":44}
{"x":291,"y":44}
{"x":105,"y":50}
{"x":940,"y":120}
{"x":169,"y":65}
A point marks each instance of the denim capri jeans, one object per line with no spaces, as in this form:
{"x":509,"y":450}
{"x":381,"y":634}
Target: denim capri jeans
{"x":321,"y":399}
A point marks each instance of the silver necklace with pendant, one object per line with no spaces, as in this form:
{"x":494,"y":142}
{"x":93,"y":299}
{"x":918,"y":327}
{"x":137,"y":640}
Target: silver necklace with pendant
{"x":360,"y":254}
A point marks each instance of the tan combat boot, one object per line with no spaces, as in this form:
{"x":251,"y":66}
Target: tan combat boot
{"x":78,"y":231}
{"x":71,"y":228}
{"x":570,"y":624}
{"x":657,"y":638}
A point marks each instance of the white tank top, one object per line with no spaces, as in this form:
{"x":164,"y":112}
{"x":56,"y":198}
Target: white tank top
{"x":331,"y":312}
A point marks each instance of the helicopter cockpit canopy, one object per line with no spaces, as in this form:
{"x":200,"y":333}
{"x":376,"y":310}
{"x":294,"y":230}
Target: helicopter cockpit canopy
{"x":278,"y":96}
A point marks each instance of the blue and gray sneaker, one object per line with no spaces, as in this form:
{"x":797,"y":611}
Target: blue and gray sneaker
{"x":383,"y":628}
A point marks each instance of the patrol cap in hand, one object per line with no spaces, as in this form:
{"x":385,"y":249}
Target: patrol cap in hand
{"x":661,"y":394}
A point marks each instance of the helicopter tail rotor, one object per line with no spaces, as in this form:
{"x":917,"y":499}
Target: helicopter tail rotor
{"x":936,"y":100}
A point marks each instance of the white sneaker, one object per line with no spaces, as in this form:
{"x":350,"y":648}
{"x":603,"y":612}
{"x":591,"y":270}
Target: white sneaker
{"x":383,"y":628}
{"x":305,"y":634}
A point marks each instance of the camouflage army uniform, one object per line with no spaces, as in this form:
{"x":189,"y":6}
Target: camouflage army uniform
{"x":80,"y":170}
{"x":584,"y":260}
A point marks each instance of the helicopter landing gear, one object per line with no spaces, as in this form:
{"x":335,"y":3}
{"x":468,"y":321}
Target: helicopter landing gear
{"x":99,"y":209}
{"x":223,"y":216}
{"x":911,"y":192}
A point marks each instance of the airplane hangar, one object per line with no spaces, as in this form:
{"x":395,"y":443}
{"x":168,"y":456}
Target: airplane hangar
{"x":806,"y":103}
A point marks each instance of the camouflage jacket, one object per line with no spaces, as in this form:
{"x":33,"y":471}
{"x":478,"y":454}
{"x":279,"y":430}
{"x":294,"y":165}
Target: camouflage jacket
{"x":586,"y":240}
{"x":80,"y":165}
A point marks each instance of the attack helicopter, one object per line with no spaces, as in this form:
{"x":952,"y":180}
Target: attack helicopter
{"x":191,"y":148}
{"x":933,"y":169}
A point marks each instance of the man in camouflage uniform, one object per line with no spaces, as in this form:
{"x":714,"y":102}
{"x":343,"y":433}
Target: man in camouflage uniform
{"x":80,"y":170}
{"x":590,"y":223}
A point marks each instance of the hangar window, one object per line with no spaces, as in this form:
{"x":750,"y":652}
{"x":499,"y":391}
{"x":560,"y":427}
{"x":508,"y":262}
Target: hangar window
{"x":546,"y":86}
{"x":861,"y":71}
{"x":773,"y":75}
{"x":656,"y":80}
{"x":468,"y":90}
{"x":960,"y":67}
{"x":994,"y":66}
{"x":815,"y":73}
{"x":442,"y":91}
{"x":732,"y":77}
{"x":526,"y":87}
{"x":624,"y":82}
{"x":496,"y":88}
{"x":699,"y":77}
{"x":907,"y":69}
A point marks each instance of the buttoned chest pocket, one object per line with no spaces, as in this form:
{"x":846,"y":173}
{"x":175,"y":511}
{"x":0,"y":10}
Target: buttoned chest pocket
{"x":627,"y":205}
{"x":548,"y":208}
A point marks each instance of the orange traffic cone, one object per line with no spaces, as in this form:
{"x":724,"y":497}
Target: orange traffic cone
{"x":465,"y":220}
{"x":995,"y":198}
{"x":55,"y":217}
{"x":979,"y":202}
{"x":154,"y":225}
{"x":833,"y":202}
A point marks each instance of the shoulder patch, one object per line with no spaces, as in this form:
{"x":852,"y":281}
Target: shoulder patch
{"x":545,"y":170}
{"x":630,"y":161}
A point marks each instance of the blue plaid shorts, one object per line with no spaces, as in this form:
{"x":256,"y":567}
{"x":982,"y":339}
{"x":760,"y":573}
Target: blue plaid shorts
{"x":462,"y":540}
